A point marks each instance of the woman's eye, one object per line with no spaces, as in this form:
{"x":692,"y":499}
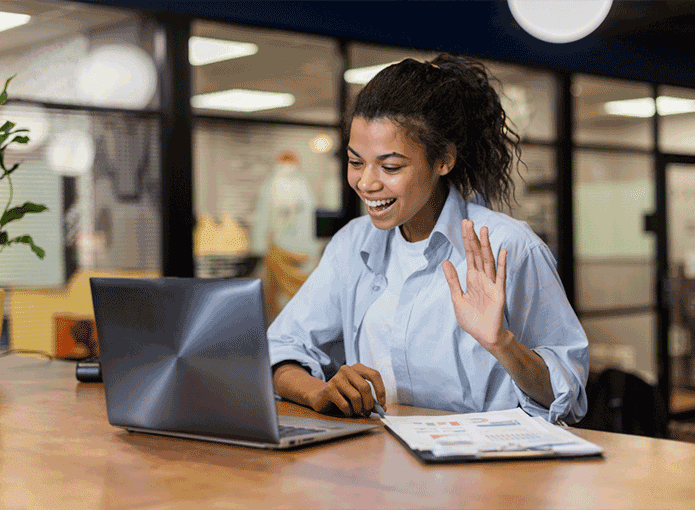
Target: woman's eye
{"x":391,"y":168}
{"x":354,"y":163}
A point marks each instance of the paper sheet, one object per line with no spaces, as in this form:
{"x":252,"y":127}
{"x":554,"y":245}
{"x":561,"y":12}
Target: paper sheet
{"x":495,"y":431}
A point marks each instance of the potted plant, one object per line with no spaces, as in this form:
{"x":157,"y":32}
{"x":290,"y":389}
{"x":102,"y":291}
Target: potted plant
{"x":8,"y":136}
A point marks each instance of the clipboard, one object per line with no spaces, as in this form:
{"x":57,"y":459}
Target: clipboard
{"x":575,"y":447}
{"x":427,"y":457}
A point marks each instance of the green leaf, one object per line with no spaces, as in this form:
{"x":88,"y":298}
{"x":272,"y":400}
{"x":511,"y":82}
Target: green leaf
{"x":17,"y":213}
{"x":40,"y":252}
{"x":3,"y":96}
{"x":20,"y":139}
{"x":3,"y":238}
{"x":7,"y":126}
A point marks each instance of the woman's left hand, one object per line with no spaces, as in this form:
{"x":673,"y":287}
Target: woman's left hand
{"x":480,"y":310}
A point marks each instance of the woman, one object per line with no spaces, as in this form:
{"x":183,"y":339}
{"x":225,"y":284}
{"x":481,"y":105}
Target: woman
{"x":386,"y":308}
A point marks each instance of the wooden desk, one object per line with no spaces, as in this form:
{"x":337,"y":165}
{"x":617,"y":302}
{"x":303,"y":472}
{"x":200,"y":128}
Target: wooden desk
{"x":57,"y":450}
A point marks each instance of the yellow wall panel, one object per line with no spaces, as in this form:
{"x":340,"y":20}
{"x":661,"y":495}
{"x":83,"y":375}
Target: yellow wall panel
{"x":32,"y":311}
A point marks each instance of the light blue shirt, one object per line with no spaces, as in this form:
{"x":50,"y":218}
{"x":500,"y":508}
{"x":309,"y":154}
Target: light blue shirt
{"x":436,"y":364}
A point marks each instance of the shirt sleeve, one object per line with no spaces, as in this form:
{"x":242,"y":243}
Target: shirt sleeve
{"x":309,"y":328}
{"x":541,"y":318}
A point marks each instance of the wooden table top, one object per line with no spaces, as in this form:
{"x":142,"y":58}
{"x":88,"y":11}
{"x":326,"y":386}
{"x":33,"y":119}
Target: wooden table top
{"x":57,"y":450}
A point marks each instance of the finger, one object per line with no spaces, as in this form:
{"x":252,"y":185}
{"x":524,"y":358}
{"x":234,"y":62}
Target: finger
{"x":346,"y":387}
{"x":470,"y":258}
{"x":337,"y":398}
{"x":488,"y":257}
{"x":360,"y":383}
{"x":452,"y":278}
{"x":374,"y":377}
{"x":502,"y":269}
{"x":475,"y":247}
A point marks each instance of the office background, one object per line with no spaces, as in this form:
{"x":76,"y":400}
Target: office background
{"x":130,"y":167}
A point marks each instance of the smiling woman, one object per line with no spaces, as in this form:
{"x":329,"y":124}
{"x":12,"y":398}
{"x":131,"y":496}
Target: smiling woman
{"x":386,"y":308}
{"x":390,"y":173}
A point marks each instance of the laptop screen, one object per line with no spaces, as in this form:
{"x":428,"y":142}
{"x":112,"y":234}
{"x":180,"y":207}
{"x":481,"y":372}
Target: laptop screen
{"x":186,"y":355}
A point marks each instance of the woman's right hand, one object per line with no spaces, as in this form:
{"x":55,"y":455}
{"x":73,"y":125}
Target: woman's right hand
{"x":349,"y":391}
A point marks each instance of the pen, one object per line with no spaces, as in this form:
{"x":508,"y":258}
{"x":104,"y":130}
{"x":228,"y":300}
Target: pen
{"x":377,"y":405}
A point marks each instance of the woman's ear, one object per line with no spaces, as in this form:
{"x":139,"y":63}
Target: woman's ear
{"x":448,"y":161}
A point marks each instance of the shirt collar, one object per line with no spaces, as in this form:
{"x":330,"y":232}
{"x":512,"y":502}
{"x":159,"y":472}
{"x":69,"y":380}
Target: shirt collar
{"x":447,"y":228}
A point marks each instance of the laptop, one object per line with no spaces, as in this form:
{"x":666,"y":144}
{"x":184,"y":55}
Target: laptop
{"x":189,"y":357}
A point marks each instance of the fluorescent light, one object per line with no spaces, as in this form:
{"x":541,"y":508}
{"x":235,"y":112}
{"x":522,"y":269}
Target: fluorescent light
{"x":644,"y":107}
{"x":10,"y":20}
{"x":203,"y":50}
{"x":362,"y":75}
{"x":240,"y":100}
{"x":667,"y":105}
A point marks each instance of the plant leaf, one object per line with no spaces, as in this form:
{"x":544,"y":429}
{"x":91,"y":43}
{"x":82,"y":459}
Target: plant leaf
{"x":19,"y":139}
{"x":17,"y":213}
{"x":3,"y":238}
{"x":3,"y":96}
{"x":40,"y":252}
{"x":7,"y":126}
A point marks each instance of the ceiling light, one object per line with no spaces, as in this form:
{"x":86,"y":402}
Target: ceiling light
{"x":10,"y":20}
{"x":321,"y":144}
{"x":559,"y":21}
{"x":362,"y":75}
{"x":644,"y":107}
{"x":118,"y":76}
{"x":203,"y":50}
{"x":667,"y":105}
{"x":240,"y":100}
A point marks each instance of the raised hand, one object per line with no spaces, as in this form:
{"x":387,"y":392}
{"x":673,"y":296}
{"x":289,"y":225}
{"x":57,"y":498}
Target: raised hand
{"x":480,"y":310}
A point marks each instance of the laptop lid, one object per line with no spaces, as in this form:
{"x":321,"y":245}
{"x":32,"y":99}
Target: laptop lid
{"x":186,"y":355}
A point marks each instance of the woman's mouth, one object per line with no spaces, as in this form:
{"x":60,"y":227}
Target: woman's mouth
{"x":379,"y":206}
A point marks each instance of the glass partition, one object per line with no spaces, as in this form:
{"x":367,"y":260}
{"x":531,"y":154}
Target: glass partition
{"x":266,"y":142}
{"x":677,"y":120}
{"x":261,"y":73}
{"x":680,"y":188}
{"x":529,"y":97}
{"x":612,"y":112}
{"x":615,"y":266}
{"x":86,"y":87}
{"x":81,"y":54}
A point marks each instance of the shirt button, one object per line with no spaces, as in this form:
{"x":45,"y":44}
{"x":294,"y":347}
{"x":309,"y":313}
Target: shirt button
{"x":354,"y":329}
{"x":375,"y":287}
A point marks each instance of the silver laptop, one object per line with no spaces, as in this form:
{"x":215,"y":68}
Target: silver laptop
{"x":189,"y":357}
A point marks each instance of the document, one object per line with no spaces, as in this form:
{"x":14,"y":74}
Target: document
{"x":494,"y":434}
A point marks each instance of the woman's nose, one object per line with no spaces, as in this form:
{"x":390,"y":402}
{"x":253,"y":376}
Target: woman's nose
{"x":369,"y":180}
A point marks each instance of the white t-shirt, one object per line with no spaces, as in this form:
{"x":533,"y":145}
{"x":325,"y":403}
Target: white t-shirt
{"x":403,"y":259}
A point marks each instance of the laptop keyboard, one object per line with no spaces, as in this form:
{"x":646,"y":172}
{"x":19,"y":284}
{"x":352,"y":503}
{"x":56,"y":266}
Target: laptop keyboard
{"x":289,"y":431}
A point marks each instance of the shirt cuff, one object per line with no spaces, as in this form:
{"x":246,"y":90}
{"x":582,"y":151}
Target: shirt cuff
{"x":294,"y":353}
{"x":566,"y":391}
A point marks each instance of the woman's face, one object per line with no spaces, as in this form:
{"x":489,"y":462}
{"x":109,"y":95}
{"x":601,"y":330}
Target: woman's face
{"x":390,"y":173}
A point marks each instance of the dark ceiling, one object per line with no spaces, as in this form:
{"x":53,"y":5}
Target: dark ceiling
{"x":649,"y":22}
{"x":646,"y":40}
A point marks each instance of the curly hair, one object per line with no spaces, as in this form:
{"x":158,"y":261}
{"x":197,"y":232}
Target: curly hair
{"x":444,"y":103}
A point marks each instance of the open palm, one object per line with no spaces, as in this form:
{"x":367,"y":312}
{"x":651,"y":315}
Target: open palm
{"x":480,"y":310}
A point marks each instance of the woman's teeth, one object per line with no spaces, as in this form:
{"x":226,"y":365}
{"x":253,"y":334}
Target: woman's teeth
{"x":379,"y":203}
